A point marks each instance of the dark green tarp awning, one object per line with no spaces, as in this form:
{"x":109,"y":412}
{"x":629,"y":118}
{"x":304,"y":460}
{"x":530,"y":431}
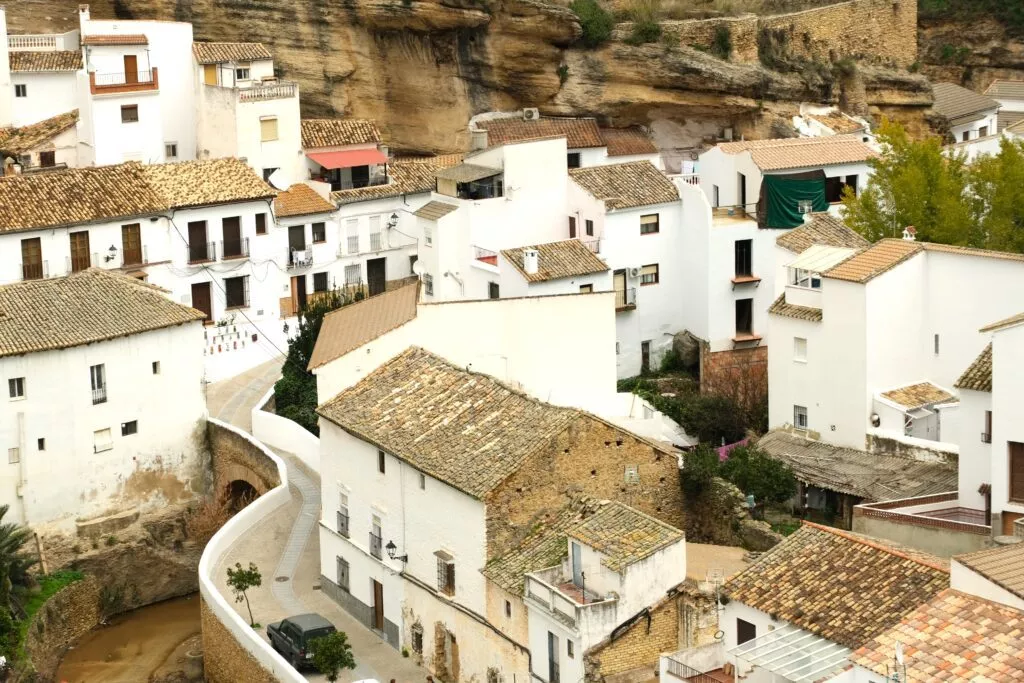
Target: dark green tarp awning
{"x":784,"y":195}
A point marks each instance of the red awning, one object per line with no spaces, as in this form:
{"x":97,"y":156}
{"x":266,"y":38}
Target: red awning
{"x":348,"y":158}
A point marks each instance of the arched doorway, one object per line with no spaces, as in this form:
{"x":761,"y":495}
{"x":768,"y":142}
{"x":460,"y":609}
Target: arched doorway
{"x":240,"y":493}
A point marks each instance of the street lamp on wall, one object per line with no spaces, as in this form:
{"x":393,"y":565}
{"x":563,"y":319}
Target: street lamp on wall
{"x":392,"y":549}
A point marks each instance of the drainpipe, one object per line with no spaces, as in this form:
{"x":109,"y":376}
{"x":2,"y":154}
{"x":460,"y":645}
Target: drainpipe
{"x":21,"y":467}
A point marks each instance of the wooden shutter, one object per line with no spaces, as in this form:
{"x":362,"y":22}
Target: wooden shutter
{"x":1016,"y":471}
{"x":80,"y":251}
{"x":268,"y":129}
{"x":572,"y":227}
{"x":261,"y":224}
{"x":131,"y":244}
{"x":210,"y":74}
{"x":31,"y":259}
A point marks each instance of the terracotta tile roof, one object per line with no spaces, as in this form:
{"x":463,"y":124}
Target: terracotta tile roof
{"x":624,"y":186}
{"x":217,"y":53}
{"x":463,"y":428}
{"x":115,"y":39}
{"x":825,"y":229}
{"x":201,"y":183}
{"x":623,"y":142}
{"x":545,"y":546}
{"x":875,"y":260}
{"x":348,"y":328}
{"x":1006,"y":89}
{"x":970,"y":251}
{"x":1007,"y":322}
{"x":838,"y":123}
{"x":86,"y":307}
{"x":568,"y":258}
{"x":300,"y":200}
{"x":978,"y":375}
{"x":918,"y":395}
{"x":624,"y":535}
{"x":780,"y":307}
{"x":959,"y":104}
{"x":434,"y":210}
{"x":467,"y":173}
{"x":318,"y":133}
{"x":785,"y":153}
{"x":578,"y":133}
{"x":838,"y":585}
{"x":1002,"y":565}
{"x":954,"y":637}
{"x":76,"y":196}
{"x":46,"y":61}
{"x":871,"y":476}
{"x":407,"y":176}
{"x":20,"y":140}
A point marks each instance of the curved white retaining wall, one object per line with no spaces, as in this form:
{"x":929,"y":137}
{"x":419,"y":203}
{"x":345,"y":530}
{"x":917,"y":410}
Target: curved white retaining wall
{"x":221,"y":543}
{"x":280,"y":432}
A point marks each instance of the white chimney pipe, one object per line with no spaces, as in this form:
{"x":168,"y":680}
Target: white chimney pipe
{"x":531,"y":261}
{"x":83,"y":15}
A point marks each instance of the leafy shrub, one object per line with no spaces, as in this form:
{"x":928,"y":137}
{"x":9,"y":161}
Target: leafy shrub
{"x":700,"y":466}
{"x":721,"y":44}
{"x":563,"y":73}
{"x":597,"y":22}
{"x":644,"y":32}
{"x":754,"y":472}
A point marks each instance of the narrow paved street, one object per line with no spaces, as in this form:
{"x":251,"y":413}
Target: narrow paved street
{"x":285,"y":546}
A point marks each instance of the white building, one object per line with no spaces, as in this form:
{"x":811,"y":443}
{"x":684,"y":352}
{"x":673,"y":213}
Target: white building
{"x":815,"y":121}
{"x":800,"y":611}
{"x":245,"y":111}
{"x":415,"y":510}
{"x":109,"y":414}
{"x":1010,"y":96}
{"x":50,"y":143}
{"x":345,"y":153}
{"x":968,"y":115}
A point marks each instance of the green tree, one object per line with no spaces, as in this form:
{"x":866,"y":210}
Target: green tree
{"x":915,"y":183}
{"x":754,"y":472}
{"x":331,"y":654}
{"x":597,"y":23}
{"x":241,"y":579}
{"x":700,"y":466}
{"x":14,"y":562}
{"x":997,"y":184}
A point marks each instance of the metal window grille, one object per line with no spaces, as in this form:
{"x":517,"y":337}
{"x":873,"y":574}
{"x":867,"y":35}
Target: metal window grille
{"x":446,"y":576}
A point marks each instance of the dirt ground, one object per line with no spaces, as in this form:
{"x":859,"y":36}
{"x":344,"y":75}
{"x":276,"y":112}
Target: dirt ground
{"x":135,"y":646}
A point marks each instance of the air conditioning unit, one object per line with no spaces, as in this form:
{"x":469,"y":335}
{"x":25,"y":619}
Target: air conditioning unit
{"x":634,"y":272}
{"x":531,"y":114}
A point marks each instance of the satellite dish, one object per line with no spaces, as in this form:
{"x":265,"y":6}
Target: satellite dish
{"x":277,"y":180}
{"x":417,"y":268}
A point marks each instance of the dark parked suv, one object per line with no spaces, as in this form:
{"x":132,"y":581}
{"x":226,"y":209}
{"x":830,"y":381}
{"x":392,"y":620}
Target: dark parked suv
{"x":292,"y":636}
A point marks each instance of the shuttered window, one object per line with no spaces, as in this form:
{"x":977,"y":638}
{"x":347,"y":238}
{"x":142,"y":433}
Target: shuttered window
{"x":1016,"y":471}
{"x":649,"y":224}
{"x":649,"y":275}
{"x":268,"y":129}
{"x":445,"y":573}
{"x":261,"y":224}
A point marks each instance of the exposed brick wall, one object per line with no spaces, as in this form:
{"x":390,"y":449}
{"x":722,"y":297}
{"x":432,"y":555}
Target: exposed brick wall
{"x":235,"y":458}
{"x":588,"y":458}
{"x":741,"y":374}
{"x":63,"y":619}
{"x":224,"y":660}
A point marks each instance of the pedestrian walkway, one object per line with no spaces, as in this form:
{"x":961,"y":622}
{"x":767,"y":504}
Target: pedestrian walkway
{"x":232,"y":400}
{"x":309,"y":512}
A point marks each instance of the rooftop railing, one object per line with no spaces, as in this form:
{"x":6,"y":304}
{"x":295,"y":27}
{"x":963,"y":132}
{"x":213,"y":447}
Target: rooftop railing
{"x":268,"y":91}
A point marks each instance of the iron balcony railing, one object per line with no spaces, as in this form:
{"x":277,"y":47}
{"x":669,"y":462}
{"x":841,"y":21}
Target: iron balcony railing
{"x":592,"y":245}
{"x":625,"y":298}
{"x":99,"y":395}
{"x":73,"y":264}
{"x":680,"y":670}
{"x":134,"y":257}
{"x":375,"y":545}
{"x":298,"y":258}
{"x":122,"y":78}
{"x":35,"y":271}
{"x":375,"y":241}
{"x":199,"y":252}
{"x":986,"y":437}
{"x":239,"y":248}
{"x":343,"y":524}
{"x":553,"y":674}
{"x":352,"y":244}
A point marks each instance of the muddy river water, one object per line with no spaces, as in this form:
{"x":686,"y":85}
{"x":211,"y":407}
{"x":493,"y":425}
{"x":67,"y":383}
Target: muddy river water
{"x":136,"y":645}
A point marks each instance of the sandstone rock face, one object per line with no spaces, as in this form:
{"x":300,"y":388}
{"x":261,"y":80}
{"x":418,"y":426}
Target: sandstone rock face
{"x":422,"y":68}
{"x":970,"y":53}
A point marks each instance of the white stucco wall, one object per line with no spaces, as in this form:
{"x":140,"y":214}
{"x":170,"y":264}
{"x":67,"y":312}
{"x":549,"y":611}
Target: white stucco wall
{"x":966,"y":580}
{"x":975,"y":461}
{"x":67,"y":479}
{"x":1007,"y":383}
{"x":47,"y":94}
{"x":973,"y":128}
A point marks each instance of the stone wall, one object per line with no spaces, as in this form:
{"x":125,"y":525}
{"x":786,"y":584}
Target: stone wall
{"x":63,"y":619}
{"x":701,"y":33}
{"x":590,"y":457}
{"x":740,"y":374}
{"x":235,"y":458}
{"x":224,"y":660}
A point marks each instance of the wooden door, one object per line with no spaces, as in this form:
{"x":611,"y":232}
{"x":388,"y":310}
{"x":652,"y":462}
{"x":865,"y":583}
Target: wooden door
{"x":210,"y":74}
{"x":298,"y":293}
{"x":645,"y":356}
{"x":197,"y":247}
{"x":360,"y":176}
{"x":619,"y":285}
{"x":231,"y":228}
{"x":131,"y":69}
{"x":741,"y":182}
{"x":376,"y":276}
{"x":552,"y":658}
{"x":31,"y":259}
{"x":131,"y":244}
{"x":378,"y":605}
{"x":1016,"y":471}
{"x":79,"y":251}
{"x":201,"y":299}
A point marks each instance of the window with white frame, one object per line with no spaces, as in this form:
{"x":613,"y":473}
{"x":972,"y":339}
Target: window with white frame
{"x":375,"y":536}
{"x":242,"y":72}
{"x":13,"y":455}
{"x":352,"y":236}
{"x":799,"y":277}
{"x":352,"y":274}
{"x":800,"y":417}
{"x":428,"y":284}
{"x":102,"y":441}
{"x":98,"y":381}
{"x":343,"y":514}
{"x":375,"y":239}
{"x":20,"y":90}
{"x":16,"y":388}
{"x":428,"y":235}
{"x":171,"y":150}
{"x":268,"y":128}
{"x":800,"y":349}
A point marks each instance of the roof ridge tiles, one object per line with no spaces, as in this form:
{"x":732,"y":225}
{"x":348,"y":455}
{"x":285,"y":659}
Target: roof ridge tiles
{"x":877,"y":545}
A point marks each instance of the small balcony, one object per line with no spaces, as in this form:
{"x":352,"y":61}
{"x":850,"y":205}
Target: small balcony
{"x":351,"y":246}
{"x":485,"y":259}
{"x":300,"y":258}
{"x":625,"y":299}
{"x":234,"y":249}
{"x":201,"y":252}
{"x":593,"y":245}
{"x":99,"y":395}
{"x":375,"y":241}
{"x":262,"y":92}
{"x":79,"y":262}
{"x":375,"y":545}
{"x":589,"y":614}
{"x":688,"y":178}
{"x":117,"y":82}
{"x":986,"y":437}
{"x":35,"y":271}
{"x":740,"y":279}
{"x":134,"y":257}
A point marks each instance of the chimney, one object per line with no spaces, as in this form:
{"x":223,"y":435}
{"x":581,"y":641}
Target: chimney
{"x":910,"y":233}
{"x":808,"y":218}
{"x":83,"y":16}
{"x":531,"y":261}
{"x":478,"y":139}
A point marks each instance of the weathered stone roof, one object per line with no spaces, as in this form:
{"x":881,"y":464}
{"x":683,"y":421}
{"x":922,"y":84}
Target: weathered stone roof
{"x":624,"y":186}
{"x":300,"y":200}
{"x":1002,"y":565}
{"x":318,"y":133}
{"x":913,"y":396}
{"x":463,"y":428}
{"x":217,"y":53}
{"x":22,"y":139}
{"x":624,"y":142}
{"x":555,"y":260}
{"x":956,"y":103}
{"x":61,"y":60}
{"x":624,"y":535}
{"x":825,"y":229}
{"x":978,"y":375}
{"x":201,"y":183}
{"x":780,"y":307}
{"x":578,"y":133}
{"x":838,"y":123}
{"x":433,"y":210}
{"x":842,"y":586}
{"x":871,"y":262}
{"x":406,"y":176}
{"x":83,"y":308}
{"x":785,"y":153}
{"x":115,"y":39}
